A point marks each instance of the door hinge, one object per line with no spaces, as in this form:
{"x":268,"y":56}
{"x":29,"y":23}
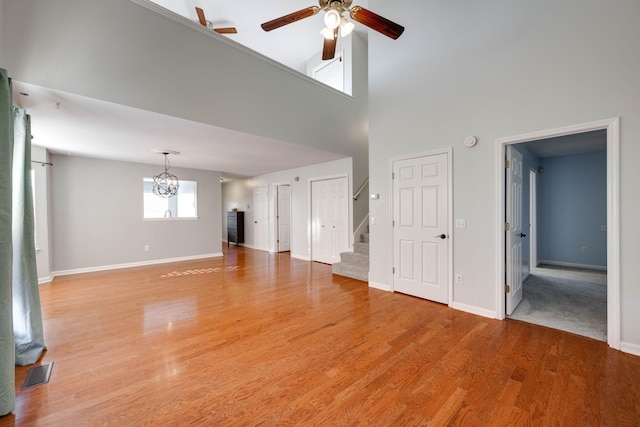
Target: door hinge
{"x":507,"y":226}
{"x":393,"y":175}
{"x":393,"y":270}
{"x":507,"y":164}
{"x":507,"y":288}
{"x":393,"y":222}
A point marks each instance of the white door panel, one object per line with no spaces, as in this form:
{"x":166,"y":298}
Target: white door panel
{"x":284,"y":218}
{"x":514,"y":232}
{"x":330,"y":214}
{"x":261,"y":218}
{"x":420,"y":193}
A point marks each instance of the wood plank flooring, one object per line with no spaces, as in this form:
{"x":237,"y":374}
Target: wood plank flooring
{"x":258,"y":339}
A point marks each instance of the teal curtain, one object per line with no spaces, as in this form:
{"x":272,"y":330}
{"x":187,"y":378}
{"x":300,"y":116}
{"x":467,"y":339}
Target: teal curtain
{"x":7,"y":346}
{"x":27,"y":315}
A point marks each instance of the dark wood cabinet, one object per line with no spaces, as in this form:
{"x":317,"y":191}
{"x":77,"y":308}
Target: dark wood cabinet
{"x":235,"y":227}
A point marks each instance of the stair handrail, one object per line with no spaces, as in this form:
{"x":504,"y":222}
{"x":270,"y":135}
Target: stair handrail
{"x":357,"y":194}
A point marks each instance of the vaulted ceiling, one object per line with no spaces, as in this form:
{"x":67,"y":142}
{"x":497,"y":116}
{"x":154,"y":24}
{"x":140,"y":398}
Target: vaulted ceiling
{"x":120,"y":79}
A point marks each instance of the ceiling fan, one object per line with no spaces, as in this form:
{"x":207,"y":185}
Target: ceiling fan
{"x":209,"y":25}
{"x":334,"y":20}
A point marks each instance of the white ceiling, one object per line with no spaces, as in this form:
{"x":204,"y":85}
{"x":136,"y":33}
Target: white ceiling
{"x":71,"y":124}
{"x":75,"y":125}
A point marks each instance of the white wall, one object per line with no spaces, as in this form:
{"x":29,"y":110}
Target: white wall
{"x":494,"y":69}
{"x":237,"y":194}
{"x":97,"y":213}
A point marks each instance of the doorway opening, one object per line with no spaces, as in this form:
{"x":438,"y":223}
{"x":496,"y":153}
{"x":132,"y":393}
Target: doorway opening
{"x":581,"y":265}
{"x":283,"y":218}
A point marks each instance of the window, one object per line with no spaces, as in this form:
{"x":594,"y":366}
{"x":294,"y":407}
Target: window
{"x":182,"y":205}
{"x":33,"y":201}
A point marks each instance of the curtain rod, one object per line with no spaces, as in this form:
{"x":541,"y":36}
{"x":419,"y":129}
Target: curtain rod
{"x":42,"y":163}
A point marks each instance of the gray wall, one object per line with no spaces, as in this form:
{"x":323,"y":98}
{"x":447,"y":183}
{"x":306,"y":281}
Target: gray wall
{"x":98,"y":220}
{"x":494,"y":69}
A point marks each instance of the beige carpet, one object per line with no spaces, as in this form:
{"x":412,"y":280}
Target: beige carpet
{"x":572,"y":300}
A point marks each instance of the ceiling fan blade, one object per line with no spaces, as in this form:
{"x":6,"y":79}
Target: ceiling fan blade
{"x":376,"y":22}
{"x":226,"y":30}
{"x":203,"y":20}
{"x":329,"y":48}
{"x":290,"y":18}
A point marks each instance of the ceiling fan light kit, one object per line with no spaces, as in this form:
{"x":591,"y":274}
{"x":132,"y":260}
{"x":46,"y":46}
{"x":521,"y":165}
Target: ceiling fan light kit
{"x":346,"y":27}
{"x":334,"y":20}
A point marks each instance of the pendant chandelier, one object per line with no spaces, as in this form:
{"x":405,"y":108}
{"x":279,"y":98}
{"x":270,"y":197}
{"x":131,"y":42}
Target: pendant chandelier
{"x":165,"y":184}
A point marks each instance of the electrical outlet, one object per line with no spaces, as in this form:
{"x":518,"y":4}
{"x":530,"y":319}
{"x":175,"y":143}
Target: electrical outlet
{"x":583,"y":250}
{"x":603,"y":228}
{"x":461,"y":223}
{"x":146,"y":248}
{"x":458,"y":279}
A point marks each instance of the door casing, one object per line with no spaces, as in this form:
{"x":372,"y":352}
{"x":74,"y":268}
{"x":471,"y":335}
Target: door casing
{"x":612,"y":126}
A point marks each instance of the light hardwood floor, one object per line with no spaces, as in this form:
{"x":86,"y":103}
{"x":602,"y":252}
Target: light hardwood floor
{"x":261,"y":339}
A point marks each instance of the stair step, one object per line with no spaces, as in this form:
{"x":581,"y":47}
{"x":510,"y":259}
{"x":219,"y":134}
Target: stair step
{"x":354,"y":272}
{"x":361,"y":248}
{"x":354,"y":258}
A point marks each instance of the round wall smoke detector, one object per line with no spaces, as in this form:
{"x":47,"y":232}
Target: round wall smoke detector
{"x":470,"y":141}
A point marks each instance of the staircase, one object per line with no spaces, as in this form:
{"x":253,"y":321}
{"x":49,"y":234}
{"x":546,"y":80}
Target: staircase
{"x":355,"y":264}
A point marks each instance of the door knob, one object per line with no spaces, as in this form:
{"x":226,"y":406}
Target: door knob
{"x":442,"y":236}
{"x":523,"y":235}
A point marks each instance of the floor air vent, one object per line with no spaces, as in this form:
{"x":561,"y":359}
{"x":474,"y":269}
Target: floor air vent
{"x":37,"y":375}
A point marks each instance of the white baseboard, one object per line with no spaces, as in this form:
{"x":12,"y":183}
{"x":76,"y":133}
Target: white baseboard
{"x":242,"y":245}
{"x":474,"y":310}
{"x":574,"y":265}
{"x":46,"y":279}
{"x":132,"y":264}
{"x":302,"y":257}
{"x":380,"y":286}
{"x":630,"y":348}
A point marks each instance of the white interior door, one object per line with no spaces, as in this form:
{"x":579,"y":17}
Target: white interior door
{"x":329,"y":219}
{"x":513,"y":228}
{"x":261,"y":218}
{"x":284,"y":218}
{"x":421,"y":227}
